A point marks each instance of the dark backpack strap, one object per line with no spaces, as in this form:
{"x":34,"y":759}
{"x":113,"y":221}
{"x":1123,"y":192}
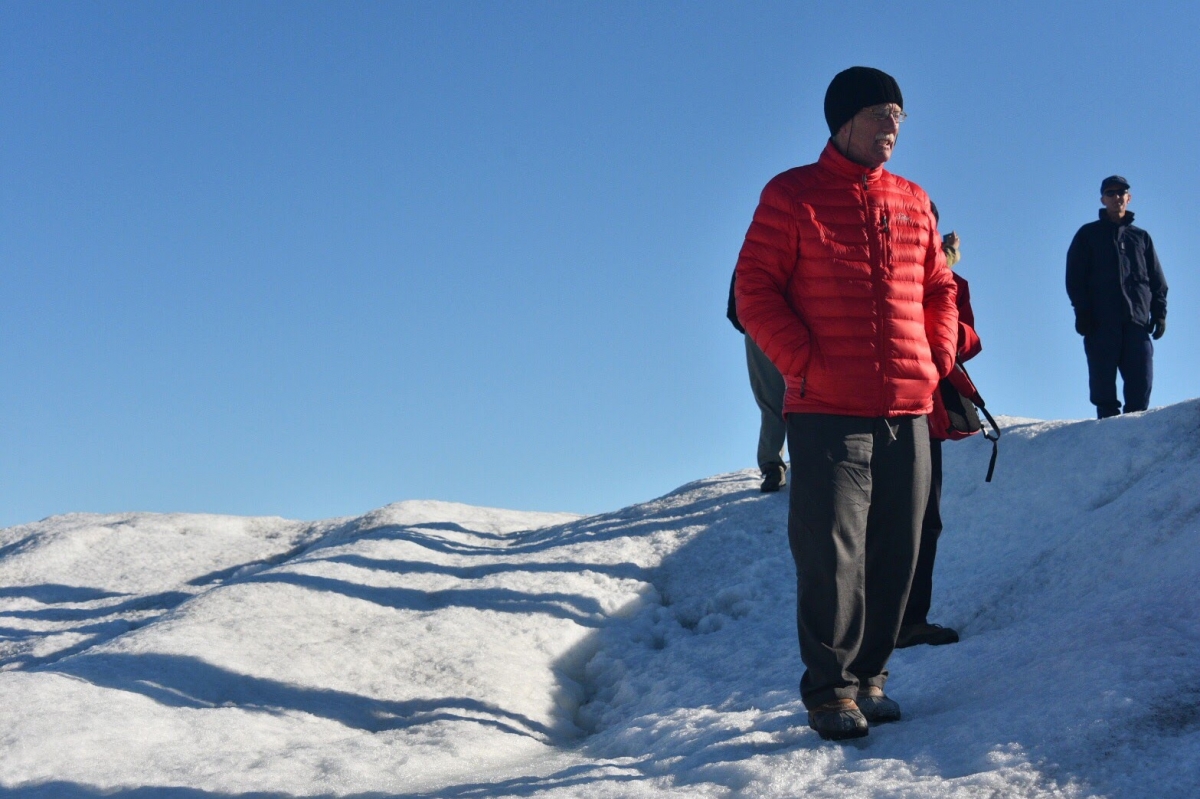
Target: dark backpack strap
{"x":992,"y":437}
{"x":964,"y":384}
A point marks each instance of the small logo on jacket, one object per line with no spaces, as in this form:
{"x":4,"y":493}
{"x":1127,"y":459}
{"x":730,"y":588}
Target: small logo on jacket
{"x":903,"y":217}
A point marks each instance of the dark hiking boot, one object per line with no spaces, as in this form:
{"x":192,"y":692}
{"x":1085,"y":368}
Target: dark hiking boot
{"x":838,"y":720}
{"x":876,"y":707}
{"x":774,"y":478}
{"x":925,"y":633}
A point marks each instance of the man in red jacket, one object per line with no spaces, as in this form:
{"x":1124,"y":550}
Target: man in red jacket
{"x":842,"y":283}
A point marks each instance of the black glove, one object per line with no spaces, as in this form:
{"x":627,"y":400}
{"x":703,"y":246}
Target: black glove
{"x":1083,"y":321}
{"x":1160,"y":327}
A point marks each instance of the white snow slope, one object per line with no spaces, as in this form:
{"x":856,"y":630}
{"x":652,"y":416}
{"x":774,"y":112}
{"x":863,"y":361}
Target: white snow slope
{"x":437,"y":650}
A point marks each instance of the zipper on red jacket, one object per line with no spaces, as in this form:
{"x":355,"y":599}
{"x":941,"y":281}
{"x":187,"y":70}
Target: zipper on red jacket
{"x":885,"y":258}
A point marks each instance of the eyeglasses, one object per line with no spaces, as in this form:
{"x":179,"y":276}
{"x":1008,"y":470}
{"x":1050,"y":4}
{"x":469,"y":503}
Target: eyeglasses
{"x":1115,"y":192}
{"x":880,"y":114}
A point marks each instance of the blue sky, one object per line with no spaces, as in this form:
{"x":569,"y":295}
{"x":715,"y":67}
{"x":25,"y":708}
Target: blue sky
{"x":307,"y":259}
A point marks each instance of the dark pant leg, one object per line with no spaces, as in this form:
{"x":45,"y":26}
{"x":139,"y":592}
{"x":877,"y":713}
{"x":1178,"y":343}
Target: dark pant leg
{"x":858,"y":497}
{"x":1136,"y":366}
{"x":1103,"y":349}
{"x":921,"y":595}
{"x":900,"y":480}
{"x":827,"y":522}
{"x":769,"y":387}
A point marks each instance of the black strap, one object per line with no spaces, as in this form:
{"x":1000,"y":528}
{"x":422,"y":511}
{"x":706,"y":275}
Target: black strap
{"x":995,"y":439}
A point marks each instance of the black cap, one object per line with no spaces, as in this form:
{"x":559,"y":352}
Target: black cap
{"x":854,"y":89}
{"x":1114,"y":180}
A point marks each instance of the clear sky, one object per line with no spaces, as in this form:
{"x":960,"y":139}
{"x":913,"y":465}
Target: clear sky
{"x":306,"y":259}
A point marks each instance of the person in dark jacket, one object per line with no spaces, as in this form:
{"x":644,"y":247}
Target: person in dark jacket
{"x":1119,"y":294}
{"x":768,"y":386}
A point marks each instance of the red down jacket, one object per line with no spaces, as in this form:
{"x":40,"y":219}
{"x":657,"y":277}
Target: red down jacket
{"x":842,"y":283}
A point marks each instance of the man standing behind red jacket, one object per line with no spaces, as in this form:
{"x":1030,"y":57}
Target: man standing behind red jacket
{"x":915,"y":627}
{"x":842,"y":283}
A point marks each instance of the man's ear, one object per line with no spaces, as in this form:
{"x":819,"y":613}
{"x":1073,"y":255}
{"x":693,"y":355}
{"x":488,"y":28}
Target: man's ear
{"x":842,"y":137}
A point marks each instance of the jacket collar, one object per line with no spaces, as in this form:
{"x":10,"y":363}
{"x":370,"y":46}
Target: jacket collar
{"x":1125,"y":220}
{"x":833,"y":160}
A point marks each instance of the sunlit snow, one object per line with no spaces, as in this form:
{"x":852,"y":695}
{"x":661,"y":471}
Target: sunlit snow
{"x":440,"y":650}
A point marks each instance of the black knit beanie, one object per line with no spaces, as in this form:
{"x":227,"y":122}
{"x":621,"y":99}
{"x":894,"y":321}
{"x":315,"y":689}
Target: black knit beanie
{"x":854,"y":89}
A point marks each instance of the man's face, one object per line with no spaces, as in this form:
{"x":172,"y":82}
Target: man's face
{"x":870,"y":135}
{"x":1115,"y":200}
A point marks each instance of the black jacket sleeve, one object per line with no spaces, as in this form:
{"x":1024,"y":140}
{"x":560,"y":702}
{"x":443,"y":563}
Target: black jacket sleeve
{"x":1079,"y":259}
{"x":731,"y":310}
{"x":1158,"y":283}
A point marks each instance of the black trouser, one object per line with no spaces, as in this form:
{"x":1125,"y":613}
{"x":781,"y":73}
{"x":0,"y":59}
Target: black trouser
{"x":1119,"y":347}
{"x":857,"y":500}
{"x":921,"y":594}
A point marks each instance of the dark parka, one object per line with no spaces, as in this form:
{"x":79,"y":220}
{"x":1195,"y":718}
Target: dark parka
{"x":1113,"y":274}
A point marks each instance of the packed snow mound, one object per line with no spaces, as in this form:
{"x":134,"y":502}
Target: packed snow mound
{"x":440,"y":650}
{"x":414,"y":513}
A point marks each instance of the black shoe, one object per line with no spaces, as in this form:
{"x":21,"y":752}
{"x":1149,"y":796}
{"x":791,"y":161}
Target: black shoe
{"x":774,"y":478}
{"x":838,"y":720}
{"x":925,"y":633}
{"x":876,"y":707}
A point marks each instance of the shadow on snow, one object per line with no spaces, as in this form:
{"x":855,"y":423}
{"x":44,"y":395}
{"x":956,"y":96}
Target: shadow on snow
{"x":180,"y":681}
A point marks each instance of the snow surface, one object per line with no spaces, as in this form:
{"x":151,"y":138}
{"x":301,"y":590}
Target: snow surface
{"x":438,"y":650}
